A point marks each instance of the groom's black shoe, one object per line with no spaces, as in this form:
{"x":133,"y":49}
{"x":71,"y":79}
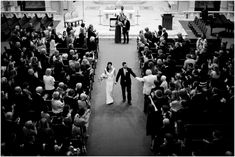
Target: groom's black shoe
{"x":129,"y":103}
{"x":123,"y":100}
{"x":110,"y":103}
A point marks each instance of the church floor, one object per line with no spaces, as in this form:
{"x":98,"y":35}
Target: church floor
{"x":117,"y":129}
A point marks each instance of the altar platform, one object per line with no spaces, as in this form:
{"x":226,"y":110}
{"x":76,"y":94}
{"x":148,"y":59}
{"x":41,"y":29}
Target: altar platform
{"x":147,"y":14}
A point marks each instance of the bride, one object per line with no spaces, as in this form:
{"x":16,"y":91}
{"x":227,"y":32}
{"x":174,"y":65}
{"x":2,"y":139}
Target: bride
{"x":109,"y":76}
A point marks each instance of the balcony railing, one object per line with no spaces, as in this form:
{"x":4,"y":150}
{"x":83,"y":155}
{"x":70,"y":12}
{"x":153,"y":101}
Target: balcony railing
{"x":20,"y":14}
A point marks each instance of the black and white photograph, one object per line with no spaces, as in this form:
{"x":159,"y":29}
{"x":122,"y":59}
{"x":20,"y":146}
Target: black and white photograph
{"x":117,"y":78}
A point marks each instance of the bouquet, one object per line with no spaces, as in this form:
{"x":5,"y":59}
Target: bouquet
{"x":103,"y":76}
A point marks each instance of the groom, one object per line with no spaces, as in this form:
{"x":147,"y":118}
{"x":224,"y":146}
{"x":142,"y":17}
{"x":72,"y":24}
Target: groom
{"x":125,"y":74}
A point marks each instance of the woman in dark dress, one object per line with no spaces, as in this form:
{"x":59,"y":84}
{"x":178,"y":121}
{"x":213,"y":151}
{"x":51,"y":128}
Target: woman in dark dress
{"x":154,"y":122}
{"x":118,"y":31}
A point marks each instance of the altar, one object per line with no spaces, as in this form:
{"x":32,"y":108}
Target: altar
{"x":128,"y":13}
{"x":107,"y":16}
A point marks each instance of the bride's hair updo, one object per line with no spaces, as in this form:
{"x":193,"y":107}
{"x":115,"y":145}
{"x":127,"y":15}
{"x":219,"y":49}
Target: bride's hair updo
{"x":107,"y":68}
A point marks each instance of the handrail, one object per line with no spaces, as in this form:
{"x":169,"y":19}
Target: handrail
{"x":187,"y":13}
{"x":226,"y":12}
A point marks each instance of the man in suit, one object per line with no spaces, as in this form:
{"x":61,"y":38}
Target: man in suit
{"x":164,"y":34}
{"x":125,"y":82}
{"x":126,"y":28}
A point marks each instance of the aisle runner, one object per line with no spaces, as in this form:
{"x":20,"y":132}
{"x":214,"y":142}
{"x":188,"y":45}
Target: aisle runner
{"x":117,"y":129}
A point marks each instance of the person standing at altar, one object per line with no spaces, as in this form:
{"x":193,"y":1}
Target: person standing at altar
{"x":118,"y":27}
{"x":118,"y":30}
{"x":122,"y":15}
{"x":125,"y":30}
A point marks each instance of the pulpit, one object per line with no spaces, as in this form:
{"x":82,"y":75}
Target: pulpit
{"x":167,"y":20}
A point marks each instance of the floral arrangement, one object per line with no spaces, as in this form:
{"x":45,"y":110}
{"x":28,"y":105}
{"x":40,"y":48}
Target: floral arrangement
{"x":103,"y":76}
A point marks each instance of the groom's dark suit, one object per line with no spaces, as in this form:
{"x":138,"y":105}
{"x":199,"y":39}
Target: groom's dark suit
{"x":125,"y":82}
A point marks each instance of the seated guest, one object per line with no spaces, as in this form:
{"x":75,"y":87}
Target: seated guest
{"x":169,"y":147}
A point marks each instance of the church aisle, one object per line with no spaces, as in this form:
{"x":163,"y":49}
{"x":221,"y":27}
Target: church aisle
{"x":117,"y":129}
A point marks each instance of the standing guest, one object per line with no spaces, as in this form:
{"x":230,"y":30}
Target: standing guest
{"x":164,"y":83}
{"x":126,"y":29}
{"x":189,"y":60}
{"x":32,"y":80}
{"x":142,"y":39}
{"x":154,"y":122}
{"x":29,"y":138}
{"x":82,"y":35}
{"x":159,"y":33}
{"x":91,"y":31}
{"x":83,"y":30}
{"x":148,"y":85}
{"x":52,"y":45}
{"x":38,"y":102}
{"x":49,"y":82}
{"x":78,"y":89}
{"x":148,"y":34}
{"x":45,"y":137}
{"x":9,"y":134}
{"x":164,"y":34}
{"x":56,"y":104}
{"x":92,"y":46}
{"x":201,"y":43}
{"x":69,"y":28}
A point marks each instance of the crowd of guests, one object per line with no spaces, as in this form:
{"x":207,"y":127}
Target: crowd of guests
{"x":187,"y":85}
{"x":46,"y":80}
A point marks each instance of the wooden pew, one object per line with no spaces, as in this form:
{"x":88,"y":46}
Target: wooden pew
{"x":220,"y":21}
{"x":47,"y":21}
{"x":197,"y":26}
{"x":12,"y":22}
{"x":24,"y":21}
{"x":3,"y":19}
{"x":35,"y":21}
{"x":5,"y":31}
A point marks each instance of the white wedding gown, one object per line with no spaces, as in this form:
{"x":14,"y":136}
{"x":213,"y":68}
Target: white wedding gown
{"x":109,"y":86}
